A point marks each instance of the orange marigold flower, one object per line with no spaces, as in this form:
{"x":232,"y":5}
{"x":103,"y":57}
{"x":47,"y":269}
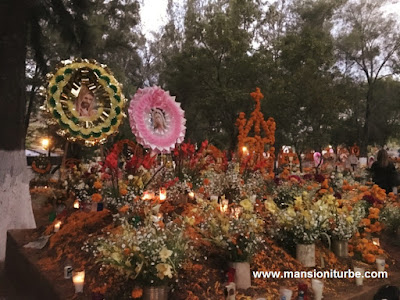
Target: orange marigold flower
{"x":369,"y":258}
{"x":97,"y":185}
{"x":366,"y":222}
{"x":137,"y":293}
{"x":124,"y":209}
{"x":324,"y":184}
{"x":123,"y":191}
{"x":127,"y":251}
{"x":96,"y":197}
{"x":206,"y":181}
{"x":322,"y":191}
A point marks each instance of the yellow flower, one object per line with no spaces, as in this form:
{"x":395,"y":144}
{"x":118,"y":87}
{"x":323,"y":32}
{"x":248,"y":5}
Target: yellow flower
{"x":225,"y":226}
{"x":247,"y":205}
{"x":116,"y":256}
{"x":270,"y":205}
{"x":165,"y":254}
{"x":190,"y":221}
{"x":164,"y":270}
{"x":306,"y":215}
{"x":290,"y":211}
{"x":349,"y":219}
{"x":298,"y":201}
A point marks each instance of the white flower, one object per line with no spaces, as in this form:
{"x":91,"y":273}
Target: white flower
{"x":164,"y":270}
{"x":130,"y":177}
{"x":165,"y":254}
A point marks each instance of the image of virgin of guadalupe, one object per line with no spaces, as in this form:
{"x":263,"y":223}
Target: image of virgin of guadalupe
{"x":158,"y":120}
{"x":85,"y":102}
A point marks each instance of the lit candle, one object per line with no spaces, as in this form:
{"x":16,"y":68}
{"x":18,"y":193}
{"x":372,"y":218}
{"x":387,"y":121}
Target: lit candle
{"x":245,"y":151}
{"x":157,"y":218}
{"x":376,"y":242}
{"x":147,"y":195}
{"x":224,"y":206}
{"x":57,"y":226}
{"x":76,"y":204}
{"x":191,"y":195}
{"x":163,"y":194}
{"x":78,"y":278}
{"x":238,"y":211}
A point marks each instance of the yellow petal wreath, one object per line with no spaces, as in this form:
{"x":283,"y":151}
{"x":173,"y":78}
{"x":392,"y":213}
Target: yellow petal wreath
{"x":86,"y":101}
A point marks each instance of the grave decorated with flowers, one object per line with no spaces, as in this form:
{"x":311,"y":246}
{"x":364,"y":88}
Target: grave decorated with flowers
{"x":160,"y":218}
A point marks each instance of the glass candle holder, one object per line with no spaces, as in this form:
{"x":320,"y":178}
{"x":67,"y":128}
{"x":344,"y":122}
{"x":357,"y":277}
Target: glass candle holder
{"x":78,"y":278}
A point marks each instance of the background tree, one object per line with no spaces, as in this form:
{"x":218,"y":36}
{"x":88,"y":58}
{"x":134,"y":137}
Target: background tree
{"x":368,"y":41}
{"x":216,"y":67}
{"x":305,"y":102}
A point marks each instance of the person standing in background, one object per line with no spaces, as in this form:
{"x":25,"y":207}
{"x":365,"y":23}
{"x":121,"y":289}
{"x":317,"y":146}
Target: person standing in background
{"x":384,"y":172}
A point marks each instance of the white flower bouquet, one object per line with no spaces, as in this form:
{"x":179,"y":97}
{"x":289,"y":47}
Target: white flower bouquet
{"x":151,"y":254}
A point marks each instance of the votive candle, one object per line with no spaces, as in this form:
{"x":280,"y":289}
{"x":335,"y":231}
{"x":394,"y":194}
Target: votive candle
{"x":57,"y":226}
{"x":163,"y":194}
{"x":78,"y":278}
{"x":76,"y":204}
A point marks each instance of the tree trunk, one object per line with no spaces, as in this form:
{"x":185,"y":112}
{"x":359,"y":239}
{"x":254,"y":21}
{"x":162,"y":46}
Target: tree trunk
{"x":15,"y":202}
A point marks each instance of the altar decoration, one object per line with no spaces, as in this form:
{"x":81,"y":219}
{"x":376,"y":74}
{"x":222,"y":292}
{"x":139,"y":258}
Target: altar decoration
{"x":237,"y":232}
{"x":234,"y":185}
{"x":390,"y":217}
{"x":41,"y":165}
{"x":252,"y":149}
{"x":346,"y":218}
{"x":156,"y":119}
{"x":304,"y":219}
{"x":85,"y":101}
{"x":152,"y":253}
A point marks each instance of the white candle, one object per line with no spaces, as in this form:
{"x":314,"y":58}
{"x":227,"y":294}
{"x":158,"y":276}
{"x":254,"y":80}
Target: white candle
{"x":285,"y":294}
{"x":147,"y":195}
{"x":76,"y":204}
{"x":214,"y":198}
{"x":224,"y":206}
{"x":380,"y":264}
{"x":78,"y":278}
{"x":57,"y":226}
{"x":359,"y":273}
{"x":376,"y":242}
{"x":238,"y":211}
{"x":163,"y":194}
{"x":317,"y":287}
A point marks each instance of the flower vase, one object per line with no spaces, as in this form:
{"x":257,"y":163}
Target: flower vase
{"x":242,"y":274}
{"x":340,"y":247}
{"x":305,"y":254}
{"x":155,"y":293}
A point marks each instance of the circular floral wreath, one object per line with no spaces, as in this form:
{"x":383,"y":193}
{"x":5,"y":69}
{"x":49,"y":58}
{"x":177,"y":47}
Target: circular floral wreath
{"x":41,"y":165}
{"x":64,"y":99}
{"x":156,"y":120}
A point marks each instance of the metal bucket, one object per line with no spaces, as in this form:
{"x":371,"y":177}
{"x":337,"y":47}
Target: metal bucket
{"x":155,"y":293}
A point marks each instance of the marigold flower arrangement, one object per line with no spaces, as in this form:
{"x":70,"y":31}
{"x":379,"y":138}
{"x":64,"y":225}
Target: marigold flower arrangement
{"x":236,"y":230}
{"x":152,"y":253}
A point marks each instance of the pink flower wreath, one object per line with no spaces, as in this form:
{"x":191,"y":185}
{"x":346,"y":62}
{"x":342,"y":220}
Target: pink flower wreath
{"x":156,"y":120}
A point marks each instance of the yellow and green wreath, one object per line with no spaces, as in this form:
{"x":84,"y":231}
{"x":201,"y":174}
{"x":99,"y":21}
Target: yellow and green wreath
{"x":86,"y":101}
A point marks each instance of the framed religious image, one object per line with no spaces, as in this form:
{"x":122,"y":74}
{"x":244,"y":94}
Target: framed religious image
{"x":86,"y":101}
{"x":156,"y":119}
